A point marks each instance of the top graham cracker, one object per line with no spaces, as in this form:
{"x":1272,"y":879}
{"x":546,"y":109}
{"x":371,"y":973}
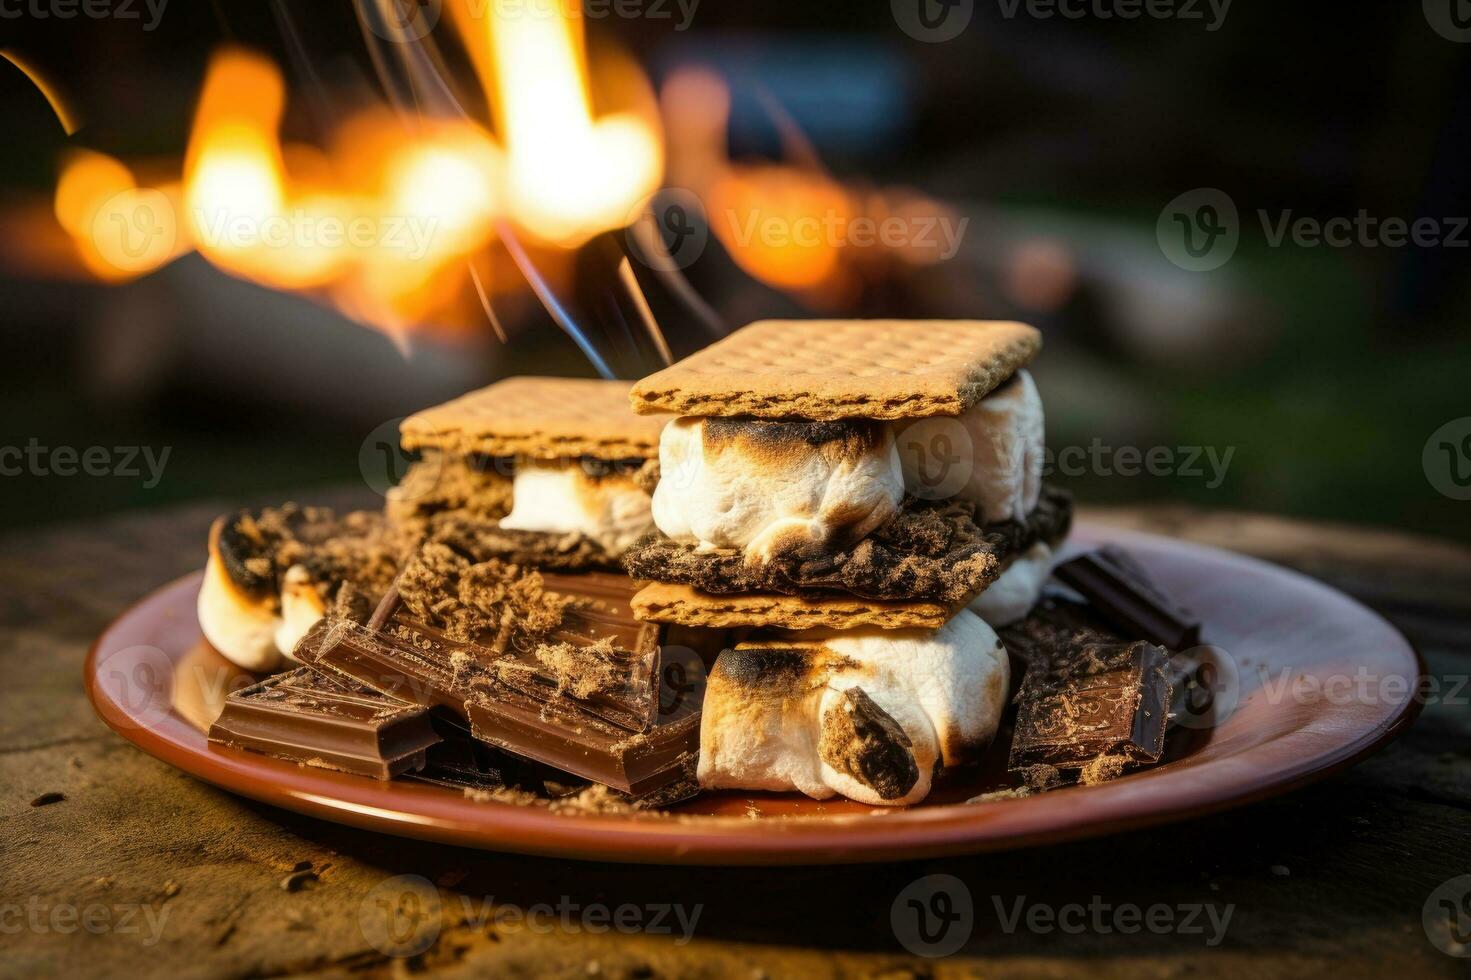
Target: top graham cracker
{"x":540,"y":418}
{"x":838,"y":369}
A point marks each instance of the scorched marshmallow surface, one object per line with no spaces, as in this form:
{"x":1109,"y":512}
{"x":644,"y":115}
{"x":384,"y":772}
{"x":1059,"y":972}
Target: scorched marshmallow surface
{"x":774,"y":487}
{"x":868,"y":714}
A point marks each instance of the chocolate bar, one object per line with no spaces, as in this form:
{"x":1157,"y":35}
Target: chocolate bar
{"x":1087,"y":692}
{"x":585,"y":698}
{"x":1119,"y":589}
{"x":317,"y":720}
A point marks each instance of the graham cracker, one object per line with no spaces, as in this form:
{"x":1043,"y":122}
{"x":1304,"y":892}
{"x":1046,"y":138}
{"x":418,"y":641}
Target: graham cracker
{"x":837,"y":369}
{"x":541,"y":418}
{"x":661,"y":602}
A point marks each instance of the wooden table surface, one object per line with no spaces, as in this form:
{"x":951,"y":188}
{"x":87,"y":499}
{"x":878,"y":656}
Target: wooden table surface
{"x":139,"y":869}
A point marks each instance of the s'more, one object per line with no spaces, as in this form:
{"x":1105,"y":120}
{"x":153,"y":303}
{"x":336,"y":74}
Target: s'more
{"x":549,"y":472}
{"x":867,"y":496}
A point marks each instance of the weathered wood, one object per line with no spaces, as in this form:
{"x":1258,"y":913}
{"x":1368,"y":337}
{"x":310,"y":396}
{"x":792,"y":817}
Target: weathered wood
{"x":1328,"y":880}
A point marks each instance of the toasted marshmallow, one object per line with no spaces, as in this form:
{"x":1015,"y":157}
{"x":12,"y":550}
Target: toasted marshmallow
{"x":237,"y":624}
{"x":771,"y":487}
{"x":868,"y":714}
{"x":301,"y":606}
{"x":991,"y":455}
{"x":561,"y":498}
{"x":1013,"y":595}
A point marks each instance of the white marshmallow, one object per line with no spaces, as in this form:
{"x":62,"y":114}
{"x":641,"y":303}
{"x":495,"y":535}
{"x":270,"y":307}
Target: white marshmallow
{"x":769,"y":712}
{"x":242,"y":630}
{"x":562,"y":498}
{"x":1013,"y":595}
{"x":301,"y":607}
{"x":992,"y":454}
{"x":773,"y":487}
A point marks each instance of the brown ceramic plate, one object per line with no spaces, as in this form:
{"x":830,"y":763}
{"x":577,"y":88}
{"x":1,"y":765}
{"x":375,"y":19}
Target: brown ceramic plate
{"x":1322,"y":682}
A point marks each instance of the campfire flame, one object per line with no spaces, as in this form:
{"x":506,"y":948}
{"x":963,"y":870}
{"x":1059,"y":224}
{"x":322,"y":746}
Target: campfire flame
{"x":392,"y":218}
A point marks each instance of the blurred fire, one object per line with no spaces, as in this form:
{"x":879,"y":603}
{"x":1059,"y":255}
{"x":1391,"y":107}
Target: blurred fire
{"x":390,"y":219}
{"x":791,"y":224}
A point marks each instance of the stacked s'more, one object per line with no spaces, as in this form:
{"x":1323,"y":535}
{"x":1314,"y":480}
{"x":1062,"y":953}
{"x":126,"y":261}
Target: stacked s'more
{"x":864,"y":499}
{"x":549,"y":473}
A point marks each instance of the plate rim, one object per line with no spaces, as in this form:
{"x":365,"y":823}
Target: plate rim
{"x":887,"y":835}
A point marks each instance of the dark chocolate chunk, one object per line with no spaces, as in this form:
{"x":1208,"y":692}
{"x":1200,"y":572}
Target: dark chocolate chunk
{"x":862,"y":740}
{"x":1119,"y":589}
{"x":584,"y":698}
{"x":318,"y":720}
{"x":933,"y":551}
{"x":1086,"y":693}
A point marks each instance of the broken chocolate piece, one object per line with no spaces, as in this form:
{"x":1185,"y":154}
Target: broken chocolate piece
{"x":1085,"y":693}
{"x":932,"y":551}
{"x":317,"y":720}
{"x":584,"y":697}
{"x":1117,"y":587}
{"x":560,"y":734}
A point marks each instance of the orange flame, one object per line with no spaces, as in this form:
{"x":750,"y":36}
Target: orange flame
{"x":569,"y":175}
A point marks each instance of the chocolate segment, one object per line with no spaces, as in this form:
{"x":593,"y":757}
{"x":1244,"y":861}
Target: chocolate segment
{"x":317,"y":720}
{"x":1122,"y":593}
{"x":1086,"y":692}
{"x":598,"y":696}
{"x":931,"y":552}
